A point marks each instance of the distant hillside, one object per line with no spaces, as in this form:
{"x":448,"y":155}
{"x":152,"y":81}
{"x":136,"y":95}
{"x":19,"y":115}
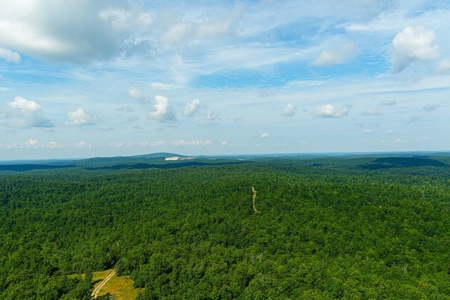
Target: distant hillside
{"x":157,"y":155}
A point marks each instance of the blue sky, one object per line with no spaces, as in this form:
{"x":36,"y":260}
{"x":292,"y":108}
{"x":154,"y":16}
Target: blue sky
{"x":106,"y":78}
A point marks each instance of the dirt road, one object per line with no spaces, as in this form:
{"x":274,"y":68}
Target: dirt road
{"x":100,"y":286}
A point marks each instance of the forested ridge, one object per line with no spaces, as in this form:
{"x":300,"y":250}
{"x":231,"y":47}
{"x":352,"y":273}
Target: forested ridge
{"x":329,"y":228}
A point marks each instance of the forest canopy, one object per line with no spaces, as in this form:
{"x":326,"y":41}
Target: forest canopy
{"x":354,"y":227}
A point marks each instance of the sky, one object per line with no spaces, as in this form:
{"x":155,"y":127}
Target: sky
{"x":83,"y":78}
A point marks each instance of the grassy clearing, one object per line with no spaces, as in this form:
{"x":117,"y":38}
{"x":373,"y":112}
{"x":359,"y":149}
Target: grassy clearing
{"x":121,"y":286}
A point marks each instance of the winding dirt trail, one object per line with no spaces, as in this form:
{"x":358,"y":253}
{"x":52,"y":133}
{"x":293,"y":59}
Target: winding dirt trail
{"x":95,"y":292}
{"x":254,"y":201}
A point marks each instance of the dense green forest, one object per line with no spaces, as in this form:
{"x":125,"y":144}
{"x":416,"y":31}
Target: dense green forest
{"x":328,"y":228}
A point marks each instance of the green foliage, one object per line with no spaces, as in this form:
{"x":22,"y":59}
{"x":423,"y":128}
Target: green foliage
{"x":328,"y":228}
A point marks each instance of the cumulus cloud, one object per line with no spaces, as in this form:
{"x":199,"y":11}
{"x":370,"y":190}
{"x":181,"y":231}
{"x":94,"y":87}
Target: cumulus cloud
{"x":162,"y":111}
{"x":414,"y":43}
{"x":116,"y":145}
{"x":264,"y":135}
{"x":25,"y":113}
{"x":444,"y":66}
{"x":53,"y":145}
{"x":330,"y":111}
{"x":81,"y":32}
{"x":289,"y":110}
{"x":31,"y":144}
{"x":9,"y":55}
{"x":211,"y":116}
{"x":82,"y":117}
{"x":137,"y":94}
{"x":191,"y":108}
{"x":431,"y":107}
{"x":83,"y":144}
{"x":7,"y":146}
{"x":335,"y":56}
{"x":193,"y":143}
{"x":389,"y":101}
{"x":367,"y":131}
{"x":399,"y":141}
{"x":226,"y":144}
{"x":134,"y":92}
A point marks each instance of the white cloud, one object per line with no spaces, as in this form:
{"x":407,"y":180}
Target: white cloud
{"x":330,"y":111}
{"x":367,"y":130}
{"x":193,"y":143}
{"x":81,"y":32}
{"x":226,"y":144}
{"x":414,"y":43}
{"x":31,"y":144}
{"x":26,"y":113}
{"x":444,"y":66}
{"x":135,"y":93}
{"x":371,"y":112}
{"x":339,"y":55}
{"x":390,"y":131}
{"x":8,"y":146}
{"x":211,"y":116}
{"x":191,"y":108}
{"x":125,"y":20}
{"x":24,"y":105}
{"x":53,"y":145}
{"x":81,"y":117}
{"x":431,"y":107}
{"x":9,"y":55}
{"x":264,"y":135}
{"x":289,"y":110}
{"x":115,"y":145}
{"x":83,"y":144}
{"x":187,"y":31}
{"x":389,"y":101}
{"x":163,"y":86}
{"x":162,"y":111}
{"x":423,"y":139}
